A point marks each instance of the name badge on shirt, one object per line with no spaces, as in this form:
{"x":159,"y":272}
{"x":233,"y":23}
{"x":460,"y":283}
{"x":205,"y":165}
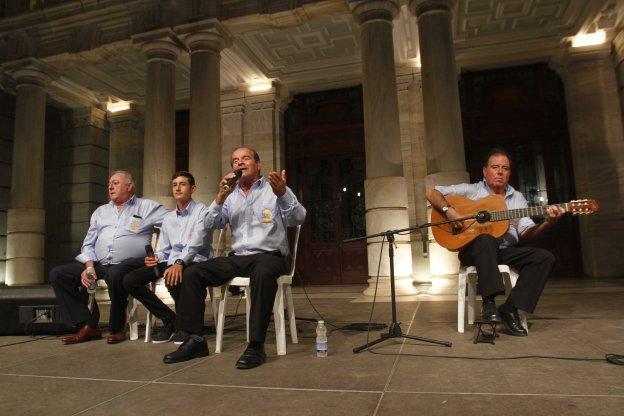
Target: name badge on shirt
{"x":135,"y":224}
{"x":267,"y":216}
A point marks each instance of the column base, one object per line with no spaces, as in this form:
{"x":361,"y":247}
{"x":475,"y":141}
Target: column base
{"x":25,"y":246}
{"x":386,"y":209}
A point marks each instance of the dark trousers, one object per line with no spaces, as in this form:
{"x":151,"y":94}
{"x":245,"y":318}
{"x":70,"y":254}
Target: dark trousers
{"x":535,"y":264}
{"x":72,"y":296}
{"x":135,"y":284}
{"x":262,"y":269}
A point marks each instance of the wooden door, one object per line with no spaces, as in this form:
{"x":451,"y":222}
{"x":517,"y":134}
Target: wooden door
{"x":325,"y":147}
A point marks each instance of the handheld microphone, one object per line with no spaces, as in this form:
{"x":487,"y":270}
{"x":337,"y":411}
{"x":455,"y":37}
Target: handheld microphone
{"x":231,"y":183}
{"x":149,"y":252}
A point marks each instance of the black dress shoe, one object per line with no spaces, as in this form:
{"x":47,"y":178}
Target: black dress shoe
{"x":194,"y":347}
{"x":512,"y":322}
{"x":251,"y":358}
{"x":489,"y":312}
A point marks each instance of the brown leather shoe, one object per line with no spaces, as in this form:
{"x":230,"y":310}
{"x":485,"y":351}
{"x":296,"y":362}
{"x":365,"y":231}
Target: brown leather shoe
{"x":116,"y":337}
{"x":86,"y":333}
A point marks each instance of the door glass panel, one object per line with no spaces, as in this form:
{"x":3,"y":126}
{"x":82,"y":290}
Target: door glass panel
{"x":352,"y":197}
{"x":320,"y":201}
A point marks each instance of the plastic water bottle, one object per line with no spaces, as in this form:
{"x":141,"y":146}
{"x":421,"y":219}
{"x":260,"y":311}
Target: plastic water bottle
{"x":92,"y":283}
{"x":321,"y":339}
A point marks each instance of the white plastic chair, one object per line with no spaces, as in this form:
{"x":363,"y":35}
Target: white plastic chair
{"x":284,"y":290}
{"x":469,"y":274}
{"x":150,"y":319}
{"x":131,"y":312}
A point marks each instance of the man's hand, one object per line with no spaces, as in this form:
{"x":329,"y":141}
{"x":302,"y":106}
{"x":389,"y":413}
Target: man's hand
{"x":278,"y":182}
{"x":173,"y":274}
{"x":151,"y":261}
{"x":84,"y":276}
{"x":451,"y":214}
{"x":223,"y":194}
{"x":554,"y":213}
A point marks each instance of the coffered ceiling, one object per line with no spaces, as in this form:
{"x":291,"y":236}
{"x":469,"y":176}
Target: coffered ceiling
{"x":316,"y":48}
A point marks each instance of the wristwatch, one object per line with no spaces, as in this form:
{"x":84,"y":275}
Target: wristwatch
{"x":180,"y":262}
{"x":446,"y":208}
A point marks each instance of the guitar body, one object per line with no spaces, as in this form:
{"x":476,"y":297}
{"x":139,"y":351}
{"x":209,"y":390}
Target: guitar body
{"x":455,"y":240}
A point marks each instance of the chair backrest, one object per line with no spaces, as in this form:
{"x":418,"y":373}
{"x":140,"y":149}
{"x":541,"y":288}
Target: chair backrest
{"x":220,"y":247}
{"x":293,"y":252}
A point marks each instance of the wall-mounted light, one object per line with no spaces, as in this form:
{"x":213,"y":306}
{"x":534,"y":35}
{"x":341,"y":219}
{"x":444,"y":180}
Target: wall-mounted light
{"x":260,"y":86}
{"x":117,"y":106}
{"x":588,"y":39}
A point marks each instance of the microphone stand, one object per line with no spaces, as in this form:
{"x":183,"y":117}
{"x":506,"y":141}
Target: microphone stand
{"x":394,"y":331}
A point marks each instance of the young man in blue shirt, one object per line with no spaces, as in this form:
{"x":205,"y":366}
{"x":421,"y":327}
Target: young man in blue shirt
{"x":184,"y":240}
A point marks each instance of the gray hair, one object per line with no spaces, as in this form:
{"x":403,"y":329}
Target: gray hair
{"x":126,"y":175}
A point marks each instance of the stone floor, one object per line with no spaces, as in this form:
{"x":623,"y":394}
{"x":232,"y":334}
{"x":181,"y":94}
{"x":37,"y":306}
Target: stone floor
{"x":576,"y":320}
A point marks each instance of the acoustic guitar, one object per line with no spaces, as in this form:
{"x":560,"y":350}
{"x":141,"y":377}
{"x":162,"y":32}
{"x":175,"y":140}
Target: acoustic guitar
{"x":490,"y":216}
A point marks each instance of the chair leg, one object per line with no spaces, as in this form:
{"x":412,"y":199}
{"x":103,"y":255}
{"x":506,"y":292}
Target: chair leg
{"x":149,"y":319}
{"x":278,"y":317}
{"x":461,"y":302}
{"x":247,"y":307}
{"x":221,"y":319}
{"x":472,"y":297}
{"x":133,"y":319}
{"x":292,"y":321}
{"x":215,"y":305}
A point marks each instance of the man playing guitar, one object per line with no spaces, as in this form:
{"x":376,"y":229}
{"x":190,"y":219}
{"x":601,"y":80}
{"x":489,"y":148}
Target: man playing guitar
{"x":486,"y":252}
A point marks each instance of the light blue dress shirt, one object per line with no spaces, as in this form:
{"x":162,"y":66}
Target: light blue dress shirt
{"x":259,"y":220}
{"x":184,"y":236}
{"x":513,"y":200}
{"x":114,"y":235}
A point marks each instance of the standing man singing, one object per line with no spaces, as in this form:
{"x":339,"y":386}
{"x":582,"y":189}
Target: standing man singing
{"x":183,"y":241}
{"x":258,"y":209}
{"x":114,"y":246}
{"x":486,"y":252}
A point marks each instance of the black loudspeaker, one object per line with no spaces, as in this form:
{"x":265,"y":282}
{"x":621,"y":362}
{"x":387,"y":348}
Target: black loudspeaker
{"x":30,"y":310}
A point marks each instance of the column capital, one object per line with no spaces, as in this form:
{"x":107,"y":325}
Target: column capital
{"x":207,"y":35}
{"x":31,"y":71}
{"x":159,"y":45}
{"x":422,"y":7}
{"x":367,"y":11}
{"x":618,"y":46}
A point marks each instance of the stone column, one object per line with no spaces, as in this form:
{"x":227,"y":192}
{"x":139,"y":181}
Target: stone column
{"x":26,"y":215}
{"x":162,"y":51}
{"x":264,"y":127}
{"x":444,"y":142}
{"x":384,"y":187}
{"x":205,"y":40}
{"x":409,"y":88}
{"x":126,"y":144}
{"x":618,"y":57}
{"x":233,"y":111}
{"x":597,"y":145}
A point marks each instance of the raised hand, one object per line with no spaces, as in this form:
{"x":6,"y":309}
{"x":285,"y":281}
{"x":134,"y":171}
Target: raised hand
{"x":278,"y":182}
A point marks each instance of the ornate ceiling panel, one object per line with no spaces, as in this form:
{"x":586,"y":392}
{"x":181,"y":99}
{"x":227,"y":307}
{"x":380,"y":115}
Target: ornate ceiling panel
{"x":488,"y":22}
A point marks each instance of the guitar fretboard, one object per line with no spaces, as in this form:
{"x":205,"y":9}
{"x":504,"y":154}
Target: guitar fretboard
{"x":523,"y":212}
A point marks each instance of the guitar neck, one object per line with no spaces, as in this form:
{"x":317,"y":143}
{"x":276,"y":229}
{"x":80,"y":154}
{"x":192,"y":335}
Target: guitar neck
{"x":523,"y":212}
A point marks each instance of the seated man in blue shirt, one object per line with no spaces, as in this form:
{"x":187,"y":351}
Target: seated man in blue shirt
{"x":486,"y":253}
{"x":258,"y":209}
{"x":117,"y":235}
{"x":183,"y":241}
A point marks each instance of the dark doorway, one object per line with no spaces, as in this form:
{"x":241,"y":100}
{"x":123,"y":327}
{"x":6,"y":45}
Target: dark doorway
{"x":523,"y":110}
{"x":325,"y":154}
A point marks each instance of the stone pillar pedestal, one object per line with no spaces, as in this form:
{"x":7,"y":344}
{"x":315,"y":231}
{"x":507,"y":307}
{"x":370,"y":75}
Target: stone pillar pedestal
{"x":386,"y":209}
{"x":205,"y":41}
{"x":443,"y":264}
{"x":385,"y":189}
{"x":595,"y":125}
{"x":26,"y":216}
{"x":162,"y":51}
{"x":126,"y":145}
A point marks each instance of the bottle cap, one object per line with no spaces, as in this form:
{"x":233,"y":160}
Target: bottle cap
{"x":321,"y":322}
